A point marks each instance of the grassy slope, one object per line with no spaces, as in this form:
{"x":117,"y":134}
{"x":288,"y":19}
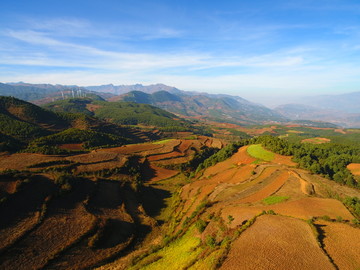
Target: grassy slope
{"x":257,"y":151}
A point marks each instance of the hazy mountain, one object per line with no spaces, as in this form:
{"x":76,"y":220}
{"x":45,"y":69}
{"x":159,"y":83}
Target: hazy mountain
{"x":122,"y":89}
{"x":349,"y":102}
{"x":306,"y":112}
{"x":44,"y":93}
{"x":212,"y":107}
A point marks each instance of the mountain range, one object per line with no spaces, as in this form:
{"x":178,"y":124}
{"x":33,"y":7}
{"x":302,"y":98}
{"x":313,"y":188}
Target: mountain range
{"x":342,"y":110}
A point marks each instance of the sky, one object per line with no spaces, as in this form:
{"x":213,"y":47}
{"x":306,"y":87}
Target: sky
{"x":261,"y":50}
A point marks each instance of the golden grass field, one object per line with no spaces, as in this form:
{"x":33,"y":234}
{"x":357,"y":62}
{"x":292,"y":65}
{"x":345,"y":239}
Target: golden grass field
{"x":276,"y":242}
{"x":339,"y":243}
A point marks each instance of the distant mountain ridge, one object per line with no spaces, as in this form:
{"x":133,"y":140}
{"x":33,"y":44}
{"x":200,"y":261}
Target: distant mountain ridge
{"x":337,"y":114}
{"x":122,"y":89}
{"x":44,"y":93}
{"x":349,"y":102}
{"x":211,"y":107}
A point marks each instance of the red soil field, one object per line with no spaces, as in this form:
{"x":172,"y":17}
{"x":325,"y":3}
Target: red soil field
{"x":285,"y":160}
{"x":354,"y":168}
{"x":319,"y":128}
{"x":11,"y":234}
{"x":53,"y":235}
{"x":276,"y":242}
{"x":185,"y":145}
{"x":22,"y":160}
{"x":71,"y":146}
{"x":304,"y":208}
{"x":160,"y":173}
{"x":93,"y":157}
{"x":234,"y":192}
{"x":92,"y":107}
{"x":165,"y":156}
{"x":309,"y":207}
{"x":173,"y":161}
{"x":316,"y":140}
{"x":8,"y":187}
{"x":132,"y":148}
{"x":341,"y":243}
{"x":339,"y":130}
{"x":240,"y":157}
{"x":268,"y":190}
{"x":107,"y":165}
{"x":168,"y":147}
{"x":243,"y":173}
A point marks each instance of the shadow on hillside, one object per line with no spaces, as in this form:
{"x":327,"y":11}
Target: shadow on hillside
{"x":80,"y":190}
{"x":29,"y":197}
{"x":115,"y":232}
{"x":147,"y":172}
{"x":107,"y":195}
{"x":153,"y":199}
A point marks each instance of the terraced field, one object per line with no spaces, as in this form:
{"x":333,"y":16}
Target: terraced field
{"x":236,"y":203}
{"x":133,"y":207}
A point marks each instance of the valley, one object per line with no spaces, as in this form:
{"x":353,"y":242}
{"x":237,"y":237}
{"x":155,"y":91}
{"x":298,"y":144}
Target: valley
{"x":91,"y":184}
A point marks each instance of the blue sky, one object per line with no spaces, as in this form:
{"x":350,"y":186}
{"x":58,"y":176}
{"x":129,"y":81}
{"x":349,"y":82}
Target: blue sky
{"x":255,"y":49}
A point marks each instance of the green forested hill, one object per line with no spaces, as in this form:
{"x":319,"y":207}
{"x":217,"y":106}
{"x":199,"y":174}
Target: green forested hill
{"x":25,"y":125}
{"x":120,"y":112}
{"x":220,"y":108}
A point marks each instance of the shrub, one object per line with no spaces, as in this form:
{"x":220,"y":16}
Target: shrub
{"x":326,"y":218}
{"x":210,"y":241}
{"x":200,"y":225}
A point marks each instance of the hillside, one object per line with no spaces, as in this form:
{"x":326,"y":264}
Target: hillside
{"x":146,"y":206}
{"x":31,"y":128}
{"x":220,"y":108}
{"x":23,"y":121}
{"x":122,"y":113}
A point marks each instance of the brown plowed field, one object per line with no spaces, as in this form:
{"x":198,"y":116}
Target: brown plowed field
{"x":304,"y":208}
{"x":240,"y":157}
{"x":101,"y":166}
{"x":268,"y":190}
{"x":168,"y":147}
{"x":52,"y":236}
{"x":354,"y":168}
{"x":316,"y":140}
{"x":23,"y":160}
{"x":93,"y":157}
{"x":285,"y":160}
{"x":185,"y":145}
{"x":342,"y":244}
{"x":239,"y":213}
{"x":276,"y":242}
{"x":8,"y":187}
{"x":161,"y":173}
{"x":10,"y":234}
{"x":133,"y":148}
{"x":340,"y":130}
{"x":233,"y":175}
{"x":173,"y":161}
{"x":313,"y":207}
{"x":173,"y":154}
{"x":227,"y":192}
{"x":71,"y":146}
